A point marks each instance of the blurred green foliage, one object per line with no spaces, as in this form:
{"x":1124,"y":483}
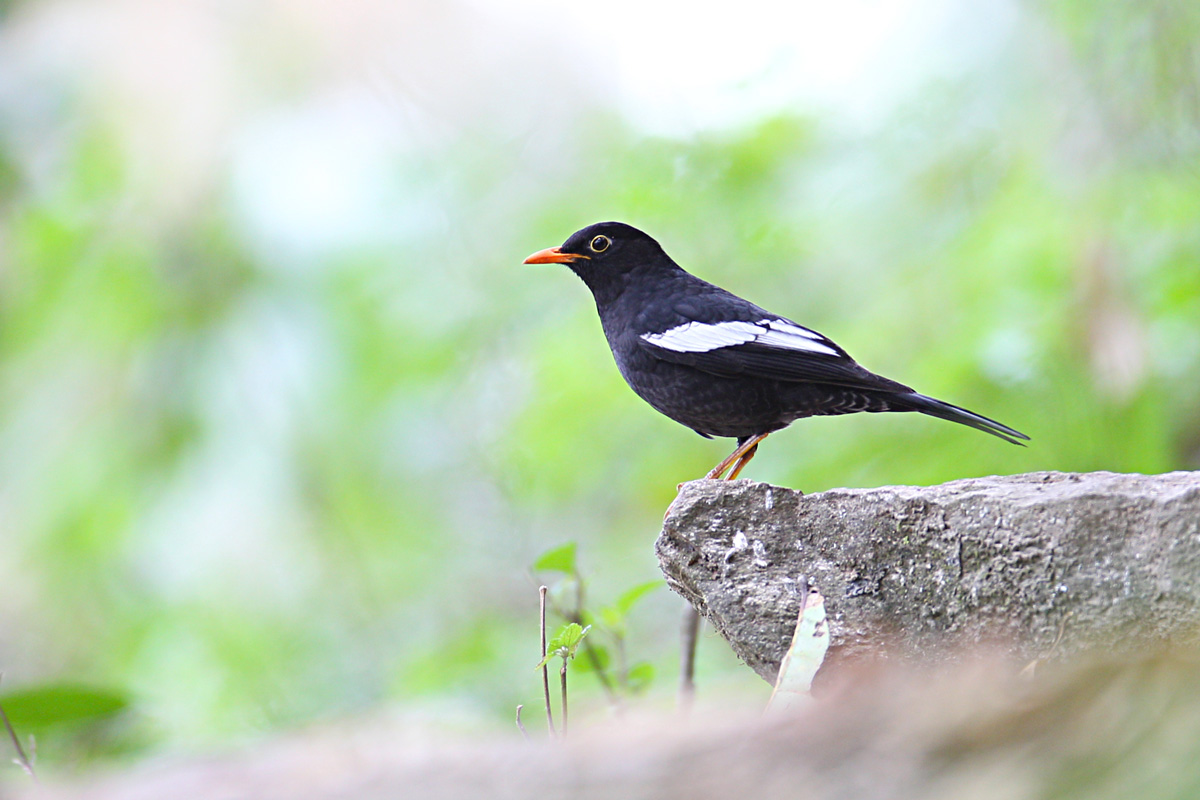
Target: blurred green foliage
{"x":242,"y":488}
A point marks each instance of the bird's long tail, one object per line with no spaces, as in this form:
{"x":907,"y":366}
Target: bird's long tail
{"x":936,"y":408}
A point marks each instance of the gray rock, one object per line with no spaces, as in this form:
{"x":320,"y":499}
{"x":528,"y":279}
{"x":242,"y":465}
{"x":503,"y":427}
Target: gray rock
{"x":1033,"y":566}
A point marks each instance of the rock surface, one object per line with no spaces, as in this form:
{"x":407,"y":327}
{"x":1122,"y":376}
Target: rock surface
{"x":1101,"y":728}
{"x":1033,"y":565}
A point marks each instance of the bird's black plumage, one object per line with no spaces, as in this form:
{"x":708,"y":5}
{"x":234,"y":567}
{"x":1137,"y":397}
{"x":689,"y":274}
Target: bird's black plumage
{"x":719,"y":364}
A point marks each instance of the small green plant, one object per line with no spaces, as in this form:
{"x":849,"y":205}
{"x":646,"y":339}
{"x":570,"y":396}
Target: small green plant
{"x":564,"y":645}
{"x":616,"y":675}
{"x":607,"y":657}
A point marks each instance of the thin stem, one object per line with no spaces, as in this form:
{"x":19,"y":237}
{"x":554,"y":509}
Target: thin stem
{"x":563,"y":674}
{"x":545,"y":669}
{"x":690,"y":630}
{"x":521,"y":725}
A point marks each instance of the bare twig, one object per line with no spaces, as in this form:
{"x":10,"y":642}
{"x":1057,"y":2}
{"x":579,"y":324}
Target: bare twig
{"x":22,"y":759}
{"x":545,"y":669}
{"x":563,"y":674}
{"x":521,"y":725}
{"x":690,"y":630}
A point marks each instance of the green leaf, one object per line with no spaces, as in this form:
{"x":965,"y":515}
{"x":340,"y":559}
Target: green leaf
{"x":34,"y":709}
{"x":564,"y":643}
{"x":568,"y":638}
{"x":557,"y":559}
{"x":613,"y":617}
{"x":627,"y":600}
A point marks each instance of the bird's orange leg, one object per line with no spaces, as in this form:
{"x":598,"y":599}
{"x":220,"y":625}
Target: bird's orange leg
{"x":743,"y":453}
{"x":742,"y":462}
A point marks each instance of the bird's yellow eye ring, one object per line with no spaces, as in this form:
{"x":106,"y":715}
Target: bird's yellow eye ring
{"x":599,"y":244}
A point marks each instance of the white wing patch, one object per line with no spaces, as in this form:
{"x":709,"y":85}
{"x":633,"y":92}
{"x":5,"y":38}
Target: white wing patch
{"x":793,"y":337}
{"x":701,"y":337}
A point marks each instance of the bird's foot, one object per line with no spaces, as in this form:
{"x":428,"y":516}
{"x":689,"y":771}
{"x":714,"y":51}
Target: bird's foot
{"x":741,"y":455}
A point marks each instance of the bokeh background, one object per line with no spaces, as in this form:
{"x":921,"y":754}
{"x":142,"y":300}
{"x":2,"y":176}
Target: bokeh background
{"x":284,"y":422}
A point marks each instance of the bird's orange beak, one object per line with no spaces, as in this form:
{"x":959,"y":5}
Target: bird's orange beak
{"x":552,"y":255}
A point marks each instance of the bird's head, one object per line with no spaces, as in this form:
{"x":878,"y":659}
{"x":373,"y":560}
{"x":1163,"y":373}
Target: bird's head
{"x":605,"y":253}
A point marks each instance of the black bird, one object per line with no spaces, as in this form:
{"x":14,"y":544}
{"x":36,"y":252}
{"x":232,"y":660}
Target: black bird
{"x":719,"y":364}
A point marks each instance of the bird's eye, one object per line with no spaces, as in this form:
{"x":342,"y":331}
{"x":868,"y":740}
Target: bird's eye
{"x":600,"y":244}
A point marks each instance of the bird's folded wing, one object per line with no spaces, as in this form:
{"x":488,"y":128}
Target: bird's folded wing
{"x":772,"y":348}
